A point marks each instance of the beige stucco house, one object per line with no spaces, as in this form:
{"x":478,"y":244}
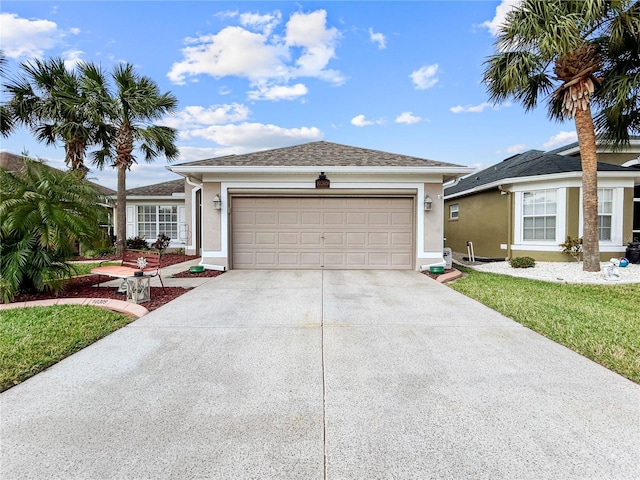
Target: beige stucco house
{"x":319,"y":205}
{"x":529,"y":203}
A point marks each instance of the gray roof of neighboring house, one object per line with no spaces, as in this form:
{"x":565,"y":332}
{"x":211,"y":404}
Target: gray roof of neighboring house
{"x":527,"y":164}
{"x":319,"y":154}
{"x":158,"y":189}
{"x":14,"y":163}
{"x":573,"y":145}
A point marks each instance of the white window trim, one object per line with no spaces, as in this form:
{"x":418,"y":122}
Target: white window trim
{"x":457,"y":211}
{"x":132,"y":221}
{"x":616,"y":217}
{"x":561,"y":220}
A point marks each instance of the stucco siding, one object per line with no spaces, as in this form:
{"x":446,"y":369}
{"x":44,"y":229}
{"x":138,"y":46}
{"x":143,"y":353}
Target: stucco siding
{"x":482,"y":219}
{"x":627,"y":219}
{"x":572,"y":213}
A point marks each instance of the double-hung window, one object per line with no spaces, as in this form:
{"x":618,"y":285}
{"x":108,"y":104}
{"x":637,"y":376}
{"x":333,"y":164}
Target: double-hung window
{"x":605,"y":213}
{"x":454,"y":211}
{"x":539,"y":211}
{"x":154,"y":220}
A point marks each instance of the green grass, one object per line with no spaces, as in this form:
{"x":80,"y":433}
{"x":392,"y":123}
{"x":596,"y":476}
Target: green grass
{"x":601,"y":322}
{"x":85,"y":268}
{"x":34,"y":338}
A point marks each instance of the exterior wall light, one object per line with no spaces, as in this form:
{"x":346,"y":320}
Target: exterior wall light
{"x":217,"y":202}
{"x":428,"y":203}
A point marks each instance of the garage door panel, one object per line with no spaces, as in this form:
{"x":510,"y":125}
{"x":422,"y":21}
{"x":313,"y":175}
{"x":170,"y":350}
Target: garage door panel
{"x":322,"y":232}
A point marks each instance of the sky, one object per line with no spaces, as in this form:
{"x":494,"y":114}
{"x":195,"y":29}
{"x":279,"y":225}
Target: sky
{"x":401,"y":76}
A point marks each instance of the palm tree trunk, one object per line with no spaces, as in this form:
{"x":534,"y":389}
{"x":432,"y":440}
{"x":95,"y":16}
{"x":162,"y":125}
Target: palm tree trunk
{"x":587,"y":141}
{"x":121,"y":205}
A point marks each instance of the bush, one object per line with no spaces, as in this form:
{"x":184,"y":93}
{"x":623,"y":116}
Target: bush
{"x":161,"y":243}
{"x":523,"y":262}
{"x":573,"y":246}
{"x":44,"y":213}
{"x":137,"y":243}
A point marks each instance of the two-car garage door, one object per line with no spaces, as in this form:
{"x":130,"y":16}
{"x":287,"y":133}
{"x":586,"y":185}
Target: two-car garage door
{"x":322,"y":232}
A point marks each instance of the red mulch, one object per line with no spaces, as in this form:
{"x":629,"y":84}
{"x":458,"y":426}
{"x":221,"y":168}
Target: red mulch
{"x":206,"y":273}
{"x":82,"y":287}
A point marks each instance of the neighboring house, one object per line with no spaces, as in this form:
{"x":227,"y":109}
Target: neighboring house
{"x":319,"y":205}
{"x":158,"y":209}
{"x":529,"y":203}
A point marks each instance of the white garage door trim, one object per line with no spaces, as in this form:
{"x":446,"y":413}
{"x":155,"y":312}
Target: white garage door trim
{"x":323,"y":232}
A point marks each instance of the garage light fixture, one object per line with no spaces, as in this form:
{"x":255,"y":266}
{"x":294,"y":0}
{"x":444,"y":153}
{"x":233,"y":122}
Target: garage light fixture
{"x":428,"y":203}
{"x":217,"y":202}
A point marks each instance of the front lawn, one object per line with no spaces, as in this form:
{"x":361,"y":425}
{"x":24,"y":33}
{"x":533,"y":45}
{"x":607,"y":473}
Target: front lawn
{"x":601,"y":322}
{"x":34,"y":338}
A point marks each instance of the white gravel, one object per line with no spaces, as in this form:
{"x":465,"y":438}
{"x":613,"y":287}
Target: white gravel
{"x":563,"y":272}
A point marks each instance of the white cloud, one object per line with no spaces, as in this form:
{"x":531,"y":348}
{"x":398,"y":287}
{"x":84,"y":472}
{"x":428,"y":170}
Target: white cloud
{"x":264,"y":23}
{"x":378,"y":38}
{"x":561,"y":138}
{"x":21,"y":37}
{"x":196,"y":116}
{"x":232,"y":51}
{"x":408,"y":118}
{"x":303,"y":49}
{"x":360,"y":121}
{"x":471,"y":108}
{"x":74,"y":31}
{"x":497,"y":21}
{"x":278,"y":92}
{"x":257,"y":136}
{"x":513,"y":149}
{"x":72,"y":58}
{"x":318,"y":43}
{"x":190,"y":154}
{"x":425,"y":77}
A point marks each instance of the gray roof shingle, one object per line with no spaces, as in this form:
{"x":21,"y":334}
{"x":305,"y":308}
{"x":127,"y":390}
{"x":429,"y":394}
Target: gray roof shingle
{"x":527,"y":164}
{"x":158,"y":189}
{"x":319,"y":154}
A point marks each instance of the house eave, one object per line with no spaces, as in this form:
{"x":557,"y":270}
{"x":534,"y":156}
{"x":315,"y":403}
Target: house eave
{"x":539,"y":178}
{"x":634,"y":147}
{"x":284,"y":170}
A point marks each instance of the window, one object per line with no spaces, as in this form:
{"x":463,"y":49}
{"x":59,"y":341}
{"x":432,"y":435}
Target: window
{"x":539,"y":211}
{"x":453,"y":212}
{"x":156,"y":219}
{"x":605,"y":213}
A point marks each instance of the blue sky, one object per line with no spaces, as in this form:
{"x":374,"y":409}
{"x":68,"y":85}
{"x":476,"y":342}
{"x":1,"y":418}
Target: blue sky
{"x":403,"y":77}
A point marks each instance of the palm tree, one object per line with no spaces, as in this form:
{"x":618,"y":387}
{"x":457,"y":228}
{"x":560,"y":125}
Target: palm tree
{"x":6,"y":119}
{"x":48,"y":99}
{"x":43,"y":212}
{"x":558,"y":49}
{"x":131,"y":110}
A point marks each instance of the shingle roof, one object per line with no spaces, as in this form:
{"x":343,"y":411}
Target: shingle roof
{"x":527,"y":164}
{"x":164,"y":188}
{"x":14,"y":163}
{"x":573,"y":145}
{"x":318,"y":154}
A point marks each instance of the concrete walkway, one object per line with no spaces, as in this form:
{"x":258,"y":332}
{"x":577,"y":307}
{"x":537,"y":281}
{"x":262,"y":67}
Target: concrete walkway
{"x":312,"y":375}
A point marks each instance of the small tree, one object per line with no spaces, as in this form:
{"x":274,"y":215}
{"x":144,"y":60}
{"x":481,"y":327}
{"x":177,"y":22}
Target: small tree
{"x":162,"y":243}
{"x":573,"y":246}
{"x":43,"y":213}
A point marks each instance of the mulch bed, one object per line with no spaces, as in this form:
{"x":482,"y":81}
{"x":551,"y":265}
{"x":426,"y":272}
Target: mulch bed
{"x":435,"y":275}
{"x":82,"y":287}
{"x":206,"y":273}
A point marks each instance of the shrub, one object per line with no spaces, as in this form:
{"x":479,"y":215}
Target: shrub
{"x":43,"y":213}
{"x":137,"y":243}
{"x":161,"y":243}
{"x":523,"y":262}
{"x":573,"y":246}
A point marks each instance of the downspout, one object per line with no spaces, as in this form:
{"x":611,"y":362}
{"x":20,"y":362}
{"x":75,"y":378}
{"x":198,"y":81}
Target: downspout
{"x":504,"y":191}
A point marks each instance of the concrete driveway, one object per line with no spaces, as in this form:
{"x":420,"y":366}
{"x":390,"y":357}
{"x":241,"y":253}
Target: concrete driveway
{"x":312,"y":375}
